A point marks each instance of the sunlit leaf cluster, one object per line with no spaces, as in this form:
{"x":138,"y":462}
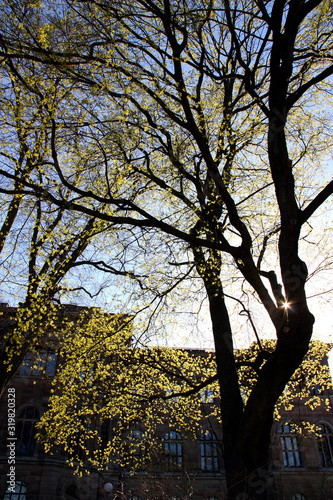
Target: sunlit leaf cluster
{"x":113,"y":401}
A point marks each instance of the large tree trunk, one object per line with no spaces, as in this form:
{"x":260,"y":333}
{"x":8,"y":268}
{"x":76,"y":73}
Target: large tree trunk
{"x":247,"y":431}
{"x":231,"y":401}
{"x":246,"y":454}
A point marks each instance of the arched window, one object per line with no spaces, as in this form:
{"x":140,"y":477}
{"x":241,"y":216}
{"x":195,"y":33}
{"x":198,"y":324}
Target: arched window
{"x":208,"y":451}
{"x":289,"y":445}
{"x":298,"y":496}
{"x":19,"y":493}
{"x":25,"y":431}
{"x":173,"y":450}
{"x":325,"y":445}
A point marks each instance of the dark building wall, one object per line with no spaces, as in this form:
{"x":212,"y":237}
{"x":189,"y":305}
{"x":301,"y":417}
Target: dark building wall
{"x":47,"y":477}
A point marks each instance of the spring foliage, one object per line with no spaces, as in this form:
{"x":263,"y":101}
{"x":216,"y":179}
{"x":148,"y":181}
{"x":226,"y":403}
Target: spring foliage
{"x":113,"y":401}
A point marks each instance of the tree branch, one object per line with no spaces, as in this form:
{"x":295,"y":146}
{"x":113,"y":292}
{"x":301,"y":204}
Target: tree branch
{"x":316,"y":202}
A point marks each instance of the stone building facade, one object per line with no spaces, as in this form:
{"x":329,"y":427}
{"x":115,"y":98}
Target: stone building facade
{"x":301,"y":469}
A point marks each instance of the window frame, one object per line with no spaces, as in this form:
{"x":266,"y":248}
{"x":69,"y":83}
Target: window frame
{"x":173,"y":451}
{"x":290,"y":445}
{"x":39,"y":363}
{"x":22,"y":493}
{"x":26,"y":431}
{"x":208,"y":451}
{"x":135,"y":439}
{"x":207,"y":395}
{"x":316,"y":390}
{"x":327,"y":438}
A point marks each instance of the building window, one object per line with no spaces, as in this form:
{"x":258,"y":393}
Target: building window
{"x":39,"y":363}
{"x":316,"y":390}
{"x":19,"y":493}
{"x":25,"y":431}
{"x":208,"y":451}
{"x":325,"y":445}
{"x":206,"y":395}
{"x":173,"y":450}
{"x":289,"y":445}
{"x":298,"y":496}
{"x":135,"y":447}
